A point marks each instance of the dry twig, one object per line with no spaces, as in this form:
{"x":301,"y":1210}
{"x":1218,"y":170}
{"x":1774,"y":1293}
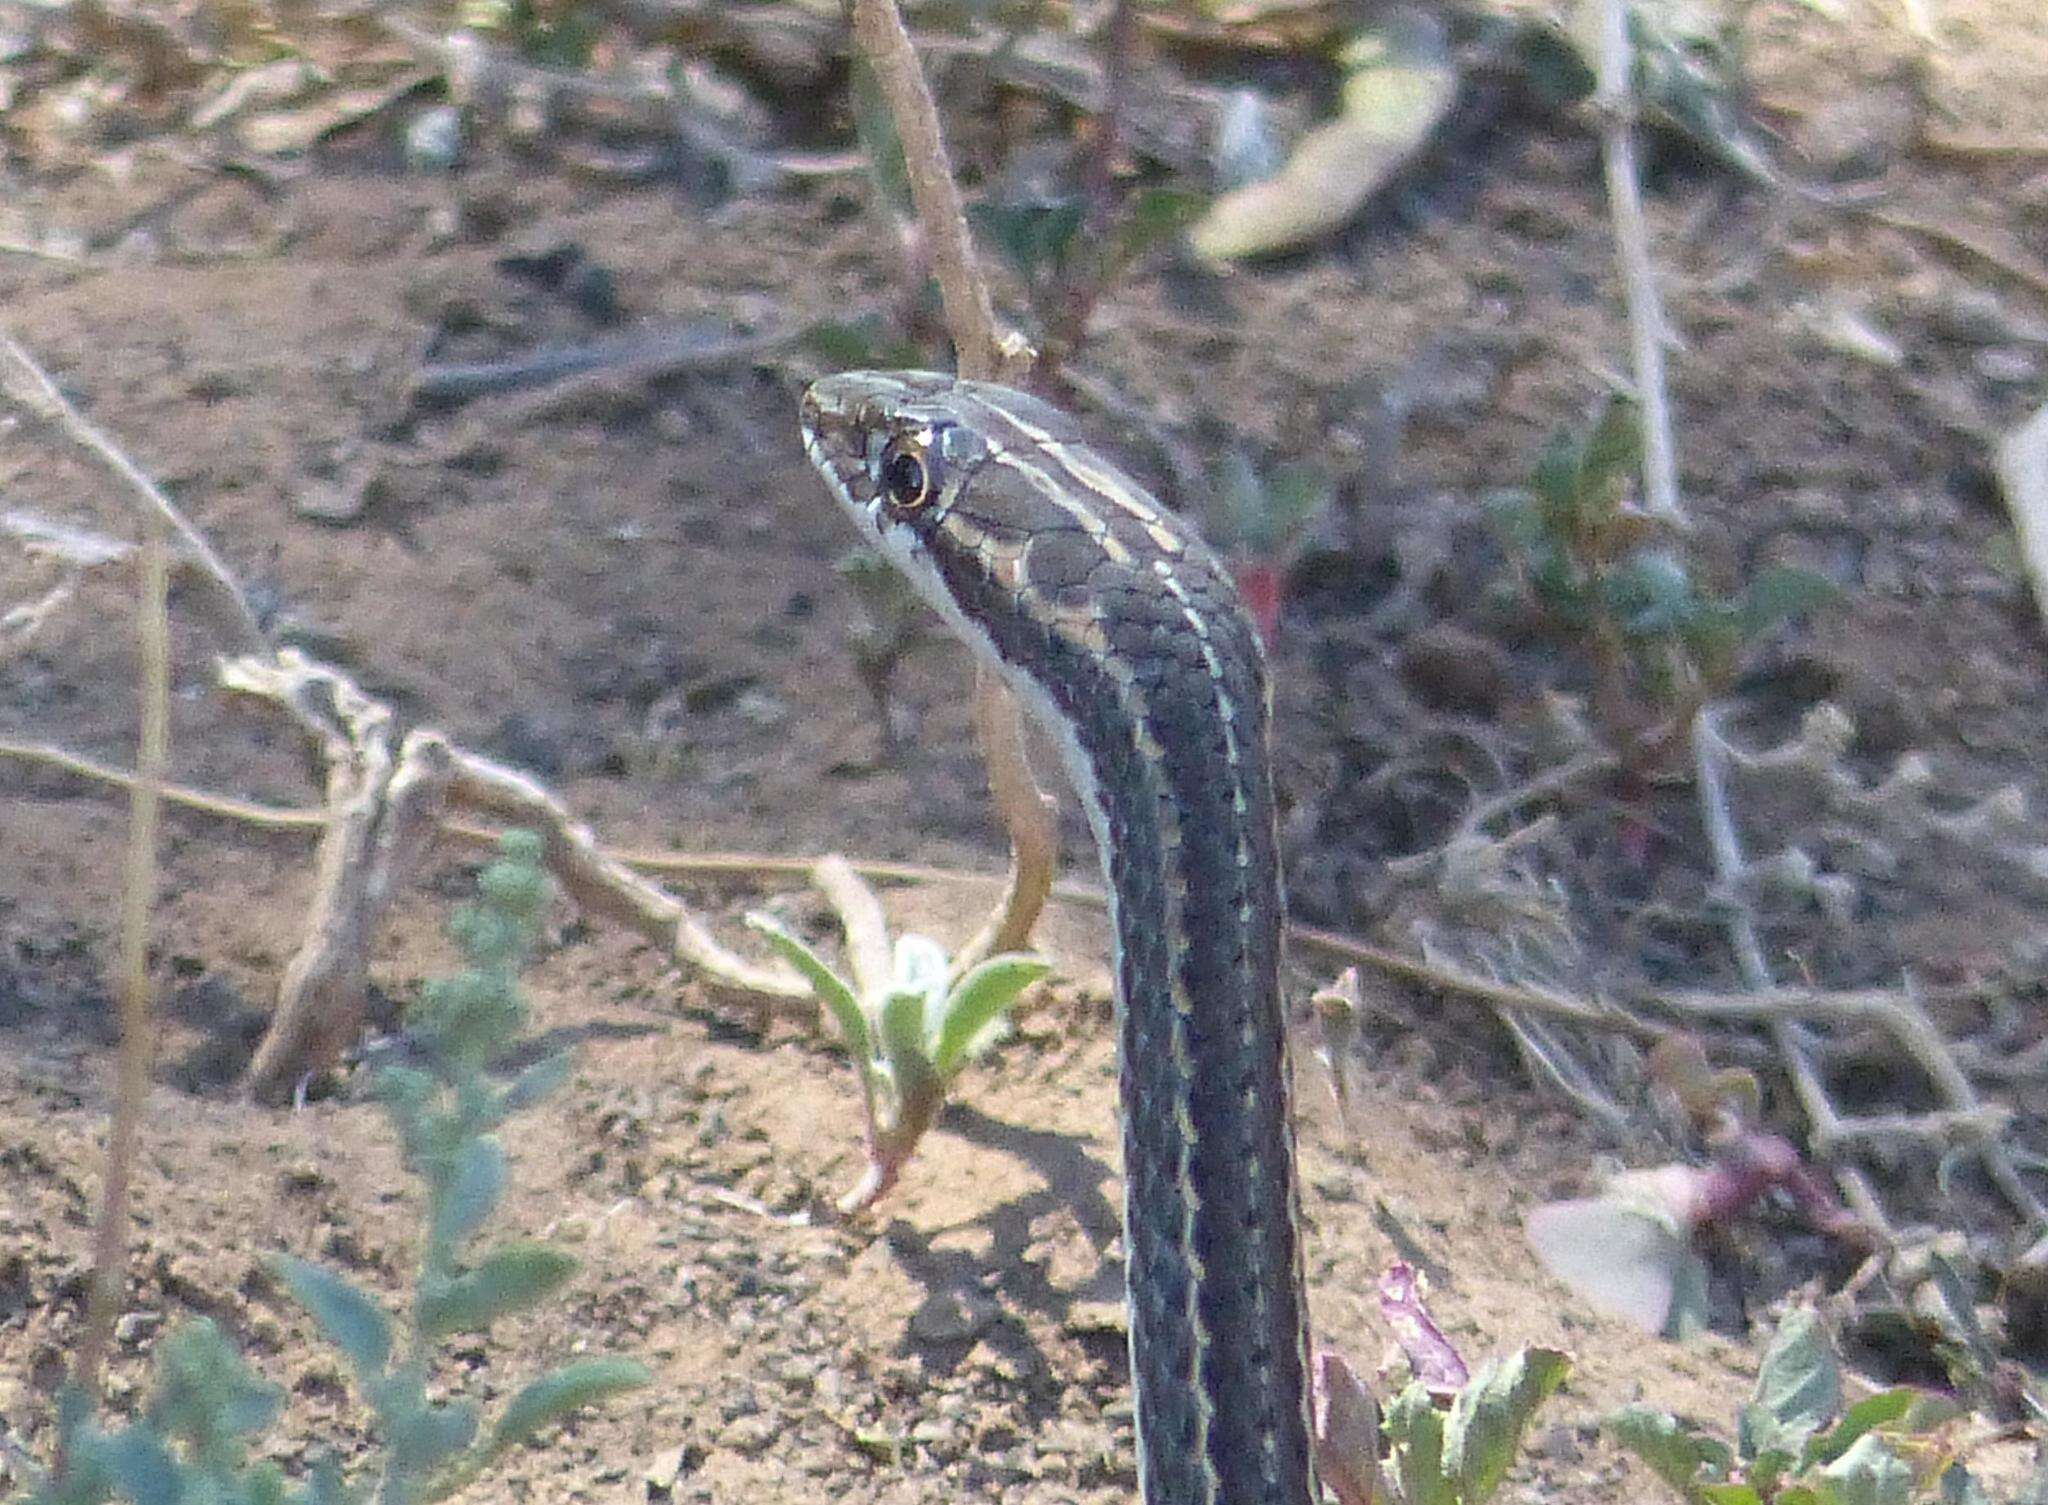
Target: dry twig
{"x":384,"y":807}
{"x":984,"y":353}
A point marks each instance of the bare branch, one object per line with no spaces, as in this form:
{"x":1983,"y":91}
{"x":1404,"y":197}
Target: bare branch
{"x":982,"y":352}
{"x":970,"y":315}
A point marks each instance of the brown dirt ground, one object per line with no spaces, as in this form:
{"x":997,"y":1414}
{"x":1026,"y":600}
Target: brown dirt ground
{"x":538,"y":588}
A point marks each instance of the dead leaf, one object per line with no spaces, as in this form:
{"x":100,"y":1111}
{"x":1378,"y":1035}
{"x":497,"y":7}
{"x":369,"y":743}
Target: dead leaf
{"x":1399,"y":86}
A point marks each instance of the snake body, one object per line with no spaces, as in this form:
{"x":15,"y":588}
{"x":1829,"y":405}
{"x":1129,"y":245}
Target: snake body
{"x":1114,"y":623}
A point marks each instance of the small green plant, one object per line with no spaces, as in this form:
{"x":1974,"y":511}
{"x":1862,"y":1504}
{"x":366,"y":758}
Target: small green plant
{"x":207,"y":1406}
{"x":909,"y":1038}
{"x":1460,"y":1456}
{"x":1797,"y":1443}
{"x":1065,"y":264}
{"x":1606,"y":572}
{"x":1260,"y":520}
{"x":1450,"y":1435}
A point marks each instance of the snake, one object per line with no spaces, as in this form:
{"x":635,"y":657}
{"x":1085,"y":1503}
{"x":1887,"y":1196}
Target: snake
{"x":1122,"y":633}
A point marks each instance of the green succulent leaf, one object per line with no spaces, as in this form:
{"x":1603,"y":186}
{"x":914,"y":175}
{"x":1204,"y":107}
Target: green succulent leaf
{"x":901,"y":1026}
{"x":206,"y":1393}
{"x":533,"y":1084}
{"x":1769,"y":1466}
{"x":1798,"y":1387}
{"x":875,"y":125}
{"x":565,"y":1390}
{"x":1962,"y":1310}
{"x":1614,"y":448}
{"x":1650,"y":595}
{"x":327,"y":1485}
{"x":1958,"y":1487}
{"x":918,"y":965}
{"x":1414,"y":1430}
{"x":830,"y":989}
{"x":1488,"y":1418}
{"x":1868,"y":1414}
{"x":1868,"y":1474}
{"x":352,"y":1320}
{"x":1729,"y":1494}
{"x":423,"y":1437}
{"x":1672,"y":1450}
{"x":1037,"y":238}
{"x":1150,"y":216}
{"x":976,"y":1007}
{"x":509,"y":1279}
{"x":1555,"y":481}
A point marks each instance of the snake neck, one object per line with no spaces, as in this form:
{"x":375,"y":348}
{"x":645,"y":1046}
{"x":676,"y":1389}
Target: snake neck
{"x":1174,"y":769}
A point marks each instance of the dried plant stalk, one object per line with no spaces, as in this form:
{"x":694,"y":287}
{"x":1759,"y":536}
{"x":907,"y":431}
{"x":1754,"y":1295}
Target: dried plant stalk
{"x":982,"y":353}
{"x":138,"y":901}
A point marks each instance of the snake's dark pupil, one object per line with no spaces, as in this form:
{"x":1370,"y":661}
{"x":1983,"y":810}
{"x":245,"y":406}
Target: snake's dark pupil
{"x":903,"y":479}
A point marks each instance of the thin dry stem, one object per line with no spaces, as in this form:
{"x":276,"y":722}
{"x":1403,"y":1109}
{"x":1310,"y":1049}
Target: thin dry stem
{"x":138,"y":900}
{"x":1029,"y":814}
{"x":1615,"y":104}
{"x":982,"y":353}
{"x":37,"y":392}
{"x":970,"y":315}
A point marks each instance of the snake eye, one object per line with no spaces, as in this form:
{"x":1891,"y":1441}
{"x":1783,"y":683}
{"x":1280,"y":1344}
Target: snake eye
{"x":906,"y":478}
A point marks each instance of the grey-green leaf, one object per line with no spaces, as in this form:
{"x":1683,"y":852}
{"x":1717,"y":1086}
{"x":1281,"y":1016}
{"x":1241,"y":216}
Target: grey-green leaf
{"x":1415,"y":1434}
{"x":475,"y":1183}
{"x":977,"y":1004}
{"x":570,"y":1388}
{"x":825,"y":983}
{"x":1869,"y":1474}
{"x":1799,"y":1384}
{"x":1672,"y":1450}
{"x":351,"y":1319}
{"x":1490,"y":1414}
{"x":1780,"y":593}
{"x":326,"y":1484}
{"x":535,"y":1083}
{"x":141,"y":1467}
{"x":429,"y":1436}
{"x":510,"y":1279}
